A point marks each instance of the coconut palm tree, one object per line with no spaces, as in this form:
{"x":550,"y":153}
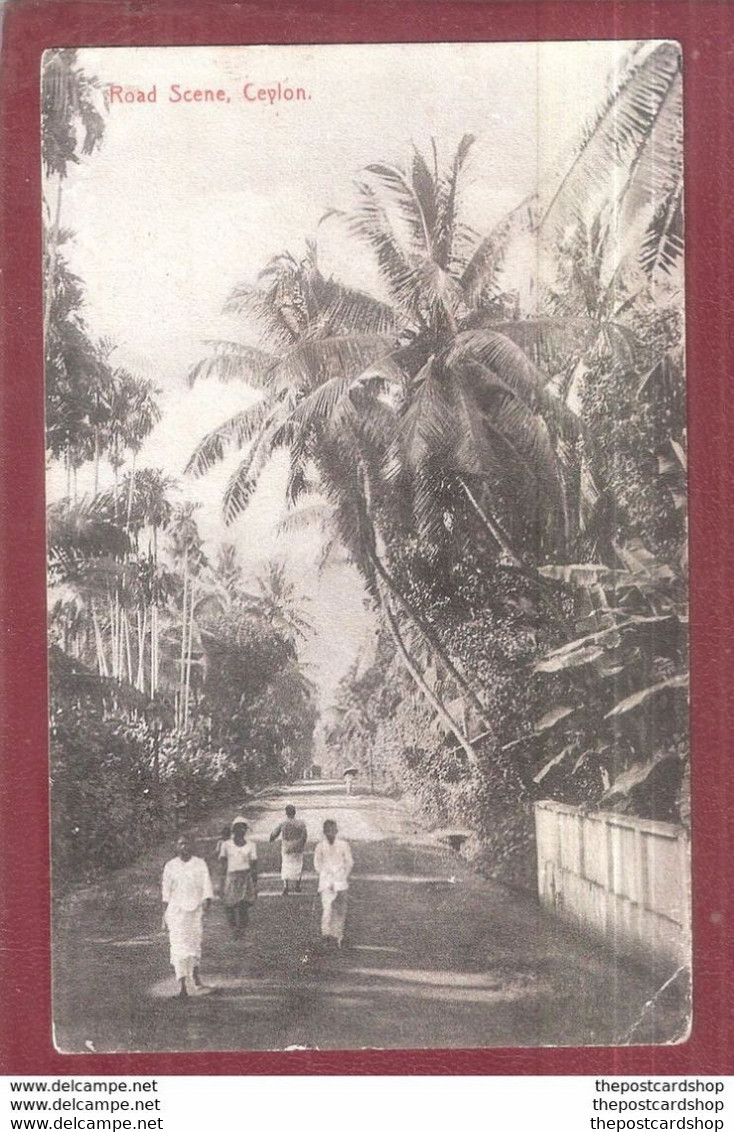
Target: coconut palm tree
{"x":318,"y":340}
{"x":501,"y":433}
{"x":475,"y":417}
{"x":278,"y":602}
{"x":321,"y":400}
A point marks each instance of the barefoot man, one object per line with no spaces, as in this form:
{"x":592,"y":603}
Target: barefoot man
{"x":293,"y":837}
{"x":333,"y":862}
{"x":187,"y":892}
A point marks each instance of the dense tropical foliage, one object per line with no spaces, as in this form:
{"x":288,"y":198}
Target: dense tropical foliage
{"x":496,"y":440}
{"x":492,"y":437}
{"x":175,"y":679}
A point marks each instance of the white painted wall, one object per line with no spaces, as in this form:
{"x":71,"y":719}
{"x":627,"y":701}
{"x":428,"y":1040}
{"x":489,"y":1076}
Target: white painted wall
{"x":624,"y":878}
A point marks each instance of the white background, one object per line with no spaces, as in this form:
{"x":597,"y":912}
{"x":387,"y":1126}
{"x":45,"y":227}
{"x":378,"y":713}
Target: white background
{"x":380,"y":1104}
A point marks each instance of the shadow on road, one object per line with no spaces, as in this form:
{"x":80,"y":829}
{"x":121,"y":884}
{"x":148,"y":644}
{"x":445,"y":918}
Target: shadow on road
{"x":436,"y":957}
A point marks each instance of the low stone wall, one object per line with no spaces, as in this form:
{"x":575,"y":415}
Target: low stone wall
{"x":625,"y":879}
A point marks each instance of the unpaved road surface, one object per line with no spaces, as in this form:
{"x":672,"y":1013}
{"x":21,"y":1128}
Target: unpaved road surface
{"x":437,"y":956}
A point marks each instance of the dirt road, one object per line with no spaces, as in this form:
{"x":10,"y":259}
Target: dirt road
{"x":437,"y":956}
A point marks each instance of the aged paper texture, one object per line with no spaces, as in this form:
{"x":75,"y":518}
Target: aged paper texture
{"x":367,"y":546}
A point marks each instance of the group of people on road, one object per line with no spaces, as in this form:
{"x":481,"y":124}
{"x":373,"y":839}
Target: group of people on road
{"x":187,"y":888}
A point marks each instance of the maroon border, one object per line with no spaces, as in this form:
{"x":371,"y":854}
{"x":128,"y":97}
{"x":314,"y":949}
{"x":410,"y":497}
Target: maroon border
{"x":706,"y":30}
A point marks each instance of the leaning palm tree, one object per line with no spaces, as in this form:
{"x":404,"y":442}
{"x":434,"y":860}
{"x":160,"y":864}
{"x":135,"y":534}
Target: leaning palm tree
{"x":321,"y":402}
{"x":317,"y":343}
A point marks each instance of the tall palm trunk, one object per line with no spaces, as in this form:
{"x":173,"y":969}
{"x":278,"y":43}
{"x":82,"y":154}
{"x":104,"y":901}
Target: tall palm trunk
{"x":130,"y":493}
{"x":154,"y":627}
{"x":430,"y":637}
{"x":99,"y":644}
{"x":142,"y":632}
{"x":96,"y":459}
{"x":182,"y":675}
{"x":153,"y":651}
{"x":128,"y":657}
{"x":411,"y":666}
{"x":189,"y":656}
{"x":370,"y":548}
{"x":491,"y":525}
{"x":116,"y":489}
{"x":114,"y":649}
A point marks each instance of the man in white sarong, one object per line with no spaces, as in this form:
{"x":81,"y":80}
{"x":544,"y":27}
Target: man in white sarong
{"x":187,"y":893}
{"x":293,"y":837}
{"x":333,"y":862}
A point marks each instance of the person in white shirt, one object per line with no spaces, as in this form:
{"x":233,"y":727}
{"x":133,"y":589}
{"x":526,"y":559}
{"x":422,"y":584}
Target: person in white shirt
{"x":187,"y":892}
{"x":238,"y":859}
{"x":333,"y":862}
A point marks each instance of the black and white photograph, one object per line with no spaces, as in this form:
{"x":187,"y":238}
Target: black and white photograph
{"x":366,"y":487}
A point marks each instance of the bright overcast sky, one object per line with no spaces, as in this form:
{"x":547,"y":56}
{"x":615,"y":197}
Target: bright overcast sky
{"x":183,"y":201}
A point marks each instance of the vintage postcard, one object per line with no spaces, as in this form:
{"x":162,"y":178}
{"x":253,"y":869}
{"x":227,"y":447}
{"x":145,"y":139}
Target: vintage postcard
{"x":367,"y":546}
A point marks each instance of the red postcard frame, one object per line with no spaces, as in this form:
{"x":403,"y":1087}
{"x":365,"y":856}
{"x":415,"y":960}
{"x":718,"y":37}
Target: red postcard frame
{"x":706,"y":32}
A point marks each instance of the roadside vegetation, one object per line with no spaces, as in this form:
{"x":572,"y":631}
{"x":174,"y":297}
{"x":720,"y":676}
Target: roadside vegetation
{"x":495,"y":442}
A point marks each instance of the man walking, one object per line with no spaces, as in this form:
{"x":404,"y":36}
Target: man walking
{"x":187,"y":893}
{"x":333,"y":862}
{"x":293,"y":836}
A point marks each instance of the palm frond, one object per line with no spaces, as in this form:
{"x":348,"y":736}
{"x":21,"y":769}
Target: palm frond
{"x":344,"y":310}
{"x":662,"y":244}
{"x":446,"y":213}
{"x":315,"y":360}
{"x":526,"y":433}
{"x":316,"y":516}
{"x":320,"y":404}
{"x":258,"y":307}
{"x":498,"y":353}
{"x":233,"y":361}
{"x":555,"y":344}
{"x":412,"y":203}
{"x":370,"y":224}
{"x":244,"y":480}
{"x":473,"y":453}
{"x":297,"y":483}
{"x":439,"y":290}
{"x":617,"y":135}
{"x":425,"y":187}
{"x":480,"y":274}
{"x":657,"y":167}
{"x":234,"y":433}
{"x":425,"y":430}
